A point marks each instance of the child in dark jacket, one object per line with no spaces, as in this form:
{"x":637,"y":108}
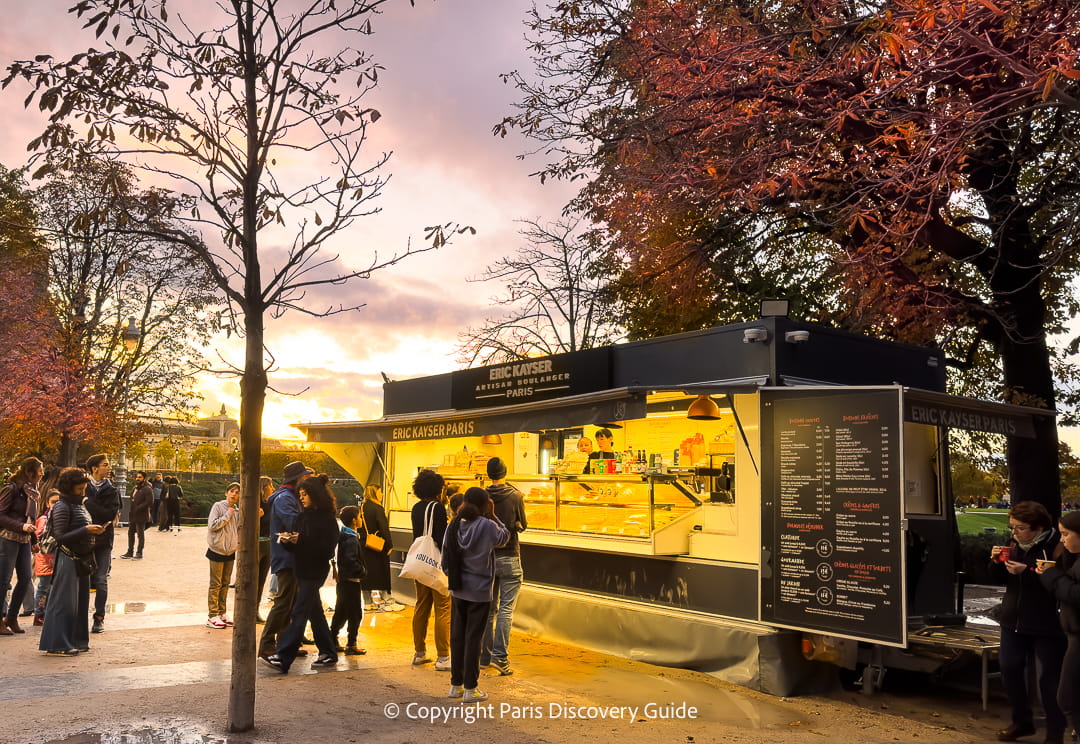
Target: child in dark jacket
{"x":351,"y":570}
{"x":468,"y":559}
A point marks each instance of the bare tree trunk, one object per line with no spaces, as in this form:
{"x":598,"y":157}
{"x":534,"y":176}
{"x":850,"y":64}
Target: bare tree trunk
{"x":252,"y":395}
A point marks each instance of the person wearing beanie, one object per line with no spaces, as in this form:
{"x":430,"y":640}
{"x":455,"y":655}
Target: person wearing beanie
{"x":509,"y":505}
{"x":284,"y":506}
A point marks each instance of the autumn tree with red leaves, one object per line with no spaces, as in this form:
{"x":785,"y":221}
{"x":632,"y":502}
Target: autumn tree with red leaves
{"x":40,"y":391}
{"x":926,"y":149}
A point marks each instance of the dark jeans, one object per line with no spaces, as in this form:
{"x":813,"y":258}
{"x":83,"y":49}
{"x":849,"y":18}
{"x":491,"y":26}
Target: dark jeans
{"x":100,"y":579}
{"x":280,"y":613}
{"x":467,"y":621}
{"x":308,"y":609}
{"x":154,"y":510}
{"x":41,"y":599}
{"x":264,"y":569}
{"x":1069,"y":689}
{"x":136,"y":529}
{"x":1016,"y":649}
{"x":14,"y":559}
{"x":349,"y":610}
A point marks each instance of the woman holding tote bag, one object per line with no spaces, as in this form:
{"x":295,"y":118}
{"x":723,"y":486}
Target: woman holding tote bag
{"x":428,"y":509}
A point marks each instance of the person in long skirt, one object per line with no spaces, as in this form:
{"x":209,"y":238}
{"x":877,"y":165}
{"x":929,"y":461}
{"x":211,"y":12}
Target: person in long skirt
{"x":67,"y":627}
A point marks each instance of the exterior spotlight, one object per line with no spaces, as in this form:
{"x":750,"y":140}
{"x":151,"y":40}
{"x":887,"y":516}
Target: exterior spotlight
{"x":797,"y":337}
{"x":752,"y":335}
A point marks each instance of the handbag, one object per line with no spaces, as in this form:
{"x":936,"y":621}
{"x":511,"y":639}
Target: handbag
{"x":371,"y":542}
{"x":424,"y":560}
{"x":85,"y":565}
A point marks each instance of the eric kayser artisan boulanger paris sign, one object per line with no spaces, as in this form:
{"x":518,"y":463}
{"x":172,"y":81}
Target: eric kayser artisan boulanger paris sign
{"x":532,"y":379}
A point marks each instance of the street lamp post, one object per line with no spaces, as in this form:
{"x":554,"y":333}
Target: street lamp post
{"x":130,"y":335}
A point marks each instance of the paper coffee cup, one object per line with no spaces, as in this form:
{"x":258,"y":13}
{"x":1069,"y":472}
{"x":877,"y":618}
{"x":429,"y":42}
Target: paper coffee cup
{"x":1003,"y":553}
{"x":1045,"y":564}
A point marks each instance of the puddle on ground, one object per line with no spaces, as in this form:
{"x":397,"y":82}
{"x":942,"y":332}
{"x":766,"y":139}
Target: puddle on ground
{"x":185,"y":735}
{"x":127,"y":608}
{"x":632,"y":688}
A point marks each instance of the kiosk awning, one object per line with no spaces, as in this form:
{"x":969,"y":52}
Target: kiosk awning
{"x":601,"y":407}
{"x":593,"y":408}
{"x":940,"y":409}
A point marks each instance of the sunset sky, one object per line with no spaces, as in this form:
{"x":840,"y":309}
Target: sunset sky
{"x":440,"y":94}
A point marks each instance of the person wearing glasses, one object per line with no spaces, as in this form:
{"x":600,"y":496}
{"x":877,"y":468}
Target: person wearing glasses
{"x":1029,"y":621}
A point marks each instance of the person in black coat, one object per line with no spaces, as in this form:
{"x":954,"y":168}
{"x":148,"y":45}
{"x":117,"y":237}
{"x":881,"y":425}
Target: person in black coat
{"x":313,"y":544}
{"x":1029,"y":622}
{"x":1062,"y":580}
{"x":351,"y":570}
{"x":103,"y":503}
{"x":378,"y":561}
{"x":66,"y":630}
{"x":429,"y":487}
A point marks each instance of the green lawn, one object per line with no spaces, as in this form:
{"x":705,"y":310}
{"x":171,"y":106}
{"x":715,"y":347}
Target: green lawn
{"x":973,"y":521}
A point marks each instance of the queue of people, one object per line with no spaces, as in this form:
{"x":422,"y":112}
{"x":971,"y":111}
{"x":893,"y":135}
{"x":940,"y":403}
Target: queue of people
{"x":59,"y":528}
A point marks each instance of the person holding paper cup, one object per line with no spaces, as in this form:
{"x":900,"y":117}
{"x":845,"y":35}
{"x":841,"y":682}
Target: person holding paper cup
{"x":1029,"y":624}
{"x":1061,"y":578}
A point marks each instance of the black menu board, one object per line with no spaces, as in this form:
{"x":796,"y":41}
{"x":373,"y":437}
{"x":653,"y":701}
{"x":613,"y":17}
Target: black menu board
{"x":831,"y":524}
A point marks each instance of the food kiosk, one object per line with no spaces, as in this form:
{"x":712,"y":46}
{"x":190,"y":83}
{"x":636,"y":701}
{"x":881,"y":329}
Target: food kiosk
{"x":768,"y":480}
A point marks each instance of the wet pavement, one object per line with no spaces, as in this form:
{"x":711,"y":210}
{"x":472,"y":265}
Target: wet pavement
{"x":149,"y":736}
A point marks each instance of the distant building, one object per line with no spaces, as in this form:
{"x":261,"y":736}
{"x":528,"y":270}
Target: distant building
{"x":221,"y":431}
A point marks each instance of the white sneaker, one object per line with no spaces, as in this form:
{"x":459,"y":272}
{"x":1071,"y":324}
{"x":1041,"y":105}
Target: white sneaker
{"x":227,"y":620}
{"x":419,"y":659}
{"x":475,"y":695}
{"x":456,"y":691}
{"x":391,"y":606}
{"x":215,"y":622}
{"x":442,"y":664}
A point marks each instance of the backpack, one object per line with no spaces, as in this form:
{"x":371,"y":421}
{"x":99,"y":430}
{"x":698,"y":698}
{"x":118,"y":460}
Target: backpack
{"x":47,"y":542}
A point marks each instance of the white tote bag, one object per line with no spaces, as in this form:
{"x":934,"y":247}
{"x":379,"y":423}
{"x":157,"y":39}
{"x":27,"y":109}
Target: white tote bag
{"x":423,"y":563}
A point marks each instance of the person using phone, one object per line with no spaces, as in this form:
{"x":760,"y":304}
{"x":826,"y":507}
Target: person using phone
{"x":66,"y":631}
{"x":1029,"y":622}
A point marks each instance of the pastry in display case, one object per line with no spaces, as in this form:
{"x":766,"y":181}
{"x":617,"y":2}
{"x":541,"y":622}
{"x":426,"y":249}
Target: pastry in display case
{"x":630,"y":506}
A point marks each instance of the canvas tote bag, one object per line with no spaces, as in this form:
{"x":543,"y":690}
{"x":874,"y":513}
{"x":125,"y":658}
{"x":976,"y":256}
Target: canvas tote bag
{"x":423,"y":561}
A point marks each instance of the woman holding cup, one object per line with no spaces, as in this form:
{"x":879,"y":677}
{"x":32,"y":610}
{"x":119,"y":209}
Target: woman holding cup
{"x":1029,"y":623}
{"x":1062,"y":579}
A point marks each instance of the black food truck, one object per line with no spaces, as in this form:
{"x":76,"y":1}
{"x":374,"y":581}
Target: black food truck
{"x":766,"y":483}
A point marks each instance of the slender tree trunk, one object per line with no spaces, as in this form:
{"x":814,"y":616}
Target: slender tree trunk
{"x":252,"y":397}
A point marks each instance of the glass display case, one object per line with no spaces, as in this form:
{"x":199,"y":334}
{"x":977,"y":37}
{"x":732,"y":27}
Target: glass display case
{"x":657,"y":509}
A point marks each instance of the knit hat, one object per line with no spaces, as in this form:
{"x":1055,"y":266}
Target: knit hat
{"x":496,"y":468}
